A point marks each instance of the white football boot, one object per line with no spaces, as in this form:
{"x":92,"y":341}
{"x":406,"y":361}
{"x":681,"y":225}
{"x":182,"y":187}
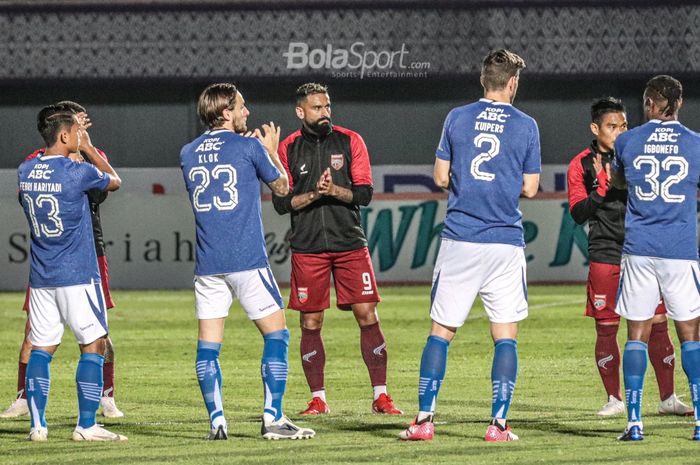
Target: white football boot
{"x":613,"y":407}
{"x":17,"y":408}
{"x":96,"y":433}
{"x":38,"y":434}
{"x":109,"y":408}
{"x":674,"y":406}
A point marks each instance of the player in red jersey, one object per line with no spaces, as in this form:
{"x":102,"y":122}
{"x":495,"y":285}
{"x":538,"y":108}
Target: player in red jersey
{"x":592,"y":199}
{"x":329,"y":178}
{"x":109,"y":408}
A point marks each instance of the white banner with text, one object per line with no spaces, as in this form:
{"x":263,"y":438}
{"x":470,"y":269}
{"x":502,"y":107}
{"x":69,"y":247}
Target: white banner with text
{"x":150,"y":240}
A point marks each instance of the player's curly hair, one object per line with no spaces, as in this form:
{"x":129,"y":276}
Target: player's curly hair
{"x":51,"y":120}
{"x":605,"y":105}
{"x":213,"y":101}
{"x":310,"y":88}
{"x":666,"y":92}
{"x":499,"y":66}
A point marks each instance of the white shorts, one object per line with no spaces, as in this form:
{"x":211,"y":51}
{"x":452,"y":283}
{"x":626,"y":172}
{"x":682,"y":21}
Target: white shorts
{"x":256,"y":290}
{"x":645,"y":280}
{"x":496,"y":272}
{"x":81,"y":307}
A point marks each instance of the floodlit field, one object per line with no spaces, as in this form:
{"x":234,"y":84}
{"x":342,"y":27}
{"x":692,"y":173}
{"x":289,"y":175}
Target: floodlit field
{"x":557,"y":394}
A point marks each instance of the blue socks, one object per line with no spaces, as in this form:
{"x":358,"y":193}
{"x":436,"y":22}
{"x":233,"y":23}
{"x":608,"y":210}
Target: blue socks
{"x":37,"y":386}
{"x":634,"y":366}
{"x":209,"y":377}
{"x":274,"y":370}
{"x":690,"y":357}
{"x":433,"y":364}
{"x":88,"y":378}
{"x":504,"y":373}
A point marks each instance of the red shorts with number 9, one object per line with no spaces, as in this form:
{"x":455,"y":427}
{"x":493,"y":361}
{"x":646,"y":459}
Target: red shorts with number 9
{"x":603,"y":282}
{"x":353,"y":276}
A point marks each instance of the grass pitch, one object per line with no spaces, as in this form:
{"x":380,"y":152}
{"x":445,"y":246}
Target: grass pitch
{"x":557,"y":394}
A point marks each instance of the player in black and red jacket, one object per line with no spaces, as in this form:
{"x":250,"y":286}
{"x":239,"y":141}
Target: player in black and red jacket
{"x":96,"y":197}
{"x":592,"y":199}
{"x":329,"y":178}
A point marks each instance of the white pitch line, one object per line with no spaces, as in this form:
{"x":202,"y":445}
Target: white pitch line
{"x":557,"y":304}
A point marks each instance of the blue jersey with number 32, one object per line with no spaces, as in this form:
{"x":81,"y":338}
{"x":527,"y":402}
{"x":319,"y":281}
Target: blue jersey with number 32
{"x":489,"y":145}
{"x":53,"y":192}
{"x":661,"y":162}
{"x":222,"y":171}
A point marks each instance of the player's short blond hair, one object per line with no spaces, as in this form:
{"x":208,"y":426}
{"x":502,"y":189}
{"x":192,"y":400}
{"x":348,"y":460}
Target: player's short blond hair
{"x":213,"y":101}
{"x":498,"y":67}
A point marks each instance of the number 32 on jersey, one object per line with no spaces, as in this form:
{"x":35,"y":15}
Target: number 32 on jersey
{"x":656,"y":188}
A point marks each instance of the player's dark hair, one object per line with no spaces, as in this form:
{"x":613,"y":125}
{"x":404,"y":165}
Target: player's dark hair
{"x":605,"y":105}
{"x":666,"y":92}
{"x":310,"y":88}
{"x":51,"y":120}
{"x":213,"y":101}
{"x":499,"y":66}
{"x":71,"y":106}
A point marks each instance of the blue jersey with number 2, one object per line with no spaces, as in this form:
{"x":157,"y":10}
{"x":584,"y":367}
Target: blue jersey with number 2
{"x":222,"y":171}
{"x":661,"y":162}
{"x":53,"y":192}
{"x":489,"y":145}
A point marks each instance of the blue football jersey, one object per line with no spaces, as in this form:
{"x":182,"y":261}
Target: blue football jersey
{"x":661,"y":162}
{"x":222,"y":171}
{"x":490,"y":145}
{"x":53,"y":192}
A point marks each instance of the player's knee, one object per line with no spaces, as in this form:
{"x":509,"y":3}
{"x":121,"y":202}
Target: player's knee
{"x":365,"y":314}
{"x":312,"y":321}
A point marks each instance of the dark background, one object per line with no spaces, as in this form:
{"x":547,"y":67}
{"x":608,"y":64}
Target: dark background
{"x":138,"y":69}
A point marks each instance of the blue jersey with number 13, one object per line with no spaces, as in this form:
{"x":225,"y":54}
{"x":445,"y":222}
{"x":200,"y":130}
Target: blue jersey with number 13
{"x":489,"y":145}
{"x":53,"y":192}
{"x":222,"y":171}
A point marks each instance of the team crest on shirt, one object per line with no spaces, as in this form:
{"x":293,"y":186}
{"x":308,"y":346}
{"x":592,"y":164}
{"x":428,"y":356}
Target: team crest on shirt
{"x":303,"y":294}
{"x":337,"y":161}
{"x":600,"y":301}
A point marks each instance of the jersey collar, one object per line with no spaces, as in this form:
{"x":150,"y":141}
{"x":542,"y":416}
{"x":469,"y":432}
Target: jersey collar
{"x":493,"y":102}
{"x":658,"y":121}
{"x":49,"y":157}
{"x":218,"y":131}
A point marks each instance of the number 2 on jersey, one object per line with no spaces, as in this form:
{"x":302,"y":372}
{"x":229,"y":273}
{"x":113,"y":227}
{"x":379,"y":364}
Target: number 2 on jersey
{"x":204,"y":175}
{"x":495,"y":147}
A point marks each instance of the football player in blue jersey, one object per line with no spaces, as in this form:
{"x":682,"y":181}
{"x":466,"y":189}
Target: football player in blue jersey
{"x":64,"y":279}
{"x":489,"y":156}
{"x":222,"y":170}
{"x":660,"y":162}
{"x":109,"y":407}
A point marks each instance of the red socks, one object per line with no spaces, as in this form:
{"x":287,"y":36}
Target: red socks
{"x":607,"y":357}
{"x":374,"y":353}
{"x":21,"y":379}
{"x":662,"y":358}
{"x":108,"y":375}
{"x":313,"y":357}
